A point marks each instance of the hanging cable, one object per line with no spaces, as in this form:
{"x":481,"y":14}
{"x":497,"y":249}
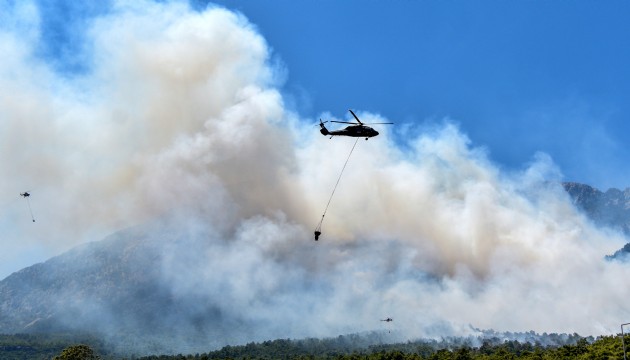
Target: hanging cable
{"x":29,"y":209}
{"x":318,"y":229}
{"x":26,"y":195}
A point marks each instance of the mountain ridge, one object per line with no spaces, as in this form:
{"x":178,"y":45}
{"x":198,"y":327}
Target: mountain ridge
{"x":610,"y":208}
{"x":114,"y":288}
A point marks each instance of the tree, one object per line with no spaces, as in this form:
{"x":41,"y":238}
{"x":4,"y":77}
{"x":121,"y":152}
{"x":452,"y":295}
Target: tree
{"x":463,"y":354}
{"x":442,"y":354}
{"x":77,"y":352}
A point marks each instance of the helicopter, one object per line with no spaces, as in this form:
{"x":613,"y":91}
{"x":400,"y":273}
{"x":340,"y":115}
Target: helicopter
{"x":388,"y":319}
{"x":358,"y":129}
{"x":25,"y":194}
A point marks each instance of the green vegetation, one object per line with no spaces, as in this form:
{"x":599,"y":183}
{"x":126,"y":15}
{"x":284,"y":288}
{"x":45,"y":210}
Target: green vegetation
{"x":604,"y":348}
{"x":77,"y":352}
{"x":57,"y":347}
{"x":45,"y":346}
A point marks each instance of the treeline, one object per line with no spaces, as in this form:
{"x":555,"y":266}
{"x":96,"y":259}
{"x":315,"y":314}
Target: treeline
{"x":45,"y":346}
{"x":351,"y":347}
{"x":604,"y":348}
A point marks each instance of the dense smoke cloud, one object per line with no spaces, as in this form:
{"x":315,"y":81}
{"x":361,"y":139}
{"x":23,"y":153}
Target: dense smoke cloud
{"x":179,"y":116}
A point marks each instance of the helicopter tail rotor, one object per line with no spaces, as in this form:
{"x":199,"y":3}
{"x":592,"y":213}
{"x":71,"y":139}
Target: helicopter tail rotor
{"x":323,"y":129}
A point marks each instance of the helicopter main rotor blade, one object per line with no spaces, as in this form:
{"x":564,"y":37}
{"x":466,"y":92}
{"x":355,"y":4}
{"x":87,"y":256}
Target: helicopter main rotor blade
{"x":343,"y":122}
{"x":355,"y":116}
{"x":350,"y":122}
{"x":362,"y":123}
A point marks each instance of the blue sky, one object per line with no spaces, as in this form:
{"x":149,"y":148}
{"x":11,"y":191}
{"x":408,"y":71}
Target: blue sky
{"x":519,"y":76}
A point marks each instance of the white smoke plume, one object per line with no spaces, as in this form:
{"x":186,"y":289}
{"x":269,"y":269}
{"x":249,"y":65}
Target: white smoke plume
{"x":180,"y":115}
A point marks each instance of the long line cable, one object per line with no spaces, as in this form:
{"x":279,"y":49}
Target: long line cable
{"x":29,"y":208}
{"x":318,"y":229}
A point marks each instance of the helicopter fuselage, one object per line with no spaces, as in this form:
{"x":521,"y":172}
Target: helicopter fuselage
{"x":357,"y":129}
{"x":352,"y":130}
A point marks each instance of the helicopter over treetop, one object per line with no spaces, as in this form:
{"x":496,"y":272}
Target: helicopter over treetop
{"x":357,"y":129}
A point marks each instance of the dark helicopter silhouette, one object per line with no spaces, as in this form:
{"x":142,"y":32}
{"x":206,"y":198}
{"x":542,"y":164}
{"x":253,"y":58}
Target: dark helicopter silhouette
{"x":358,"y":129}
{"x":25,"y":194}
{"x":388,"y":319}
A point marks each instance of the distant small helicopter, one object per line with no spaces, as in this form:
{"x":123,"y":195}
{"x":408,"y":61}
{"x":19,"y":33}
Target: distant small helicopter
{"x":355,"y":130}
{"x":388,"y":319}
{"x":25,"y":194}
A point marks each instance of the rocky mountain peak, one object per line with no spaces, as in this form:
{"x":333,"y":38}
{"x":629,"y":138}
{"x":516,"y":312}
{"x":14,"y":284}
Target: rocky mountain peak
{"x":610,"y":208}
